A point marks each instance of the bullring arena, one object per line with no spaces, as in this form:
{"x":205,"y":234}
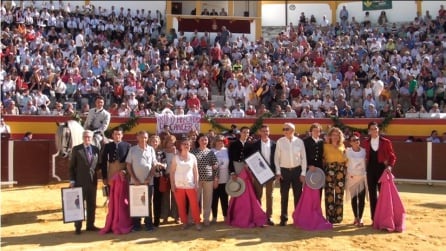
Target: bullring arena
{"x":32,"y":174}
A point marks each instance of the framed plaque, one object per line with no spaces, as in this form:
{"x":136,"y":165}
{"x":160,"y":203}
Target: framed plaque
{"x":139,"y":200}
{"x":72,"y":204}
{"x":260,"y":168}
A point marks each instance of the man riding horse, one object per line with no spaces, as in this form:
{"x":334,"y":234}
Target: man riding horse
{"x":98,"y":120}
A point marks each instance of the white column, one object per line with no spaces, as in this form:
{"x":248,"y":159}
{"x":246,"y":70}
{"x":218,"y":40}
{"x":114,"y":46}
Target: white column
{"x":10,"y":163}
{"x":429,"y":163}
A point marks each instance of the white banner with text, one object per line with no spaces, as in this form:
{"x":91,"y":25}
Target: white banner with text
{"x":177,"y":124}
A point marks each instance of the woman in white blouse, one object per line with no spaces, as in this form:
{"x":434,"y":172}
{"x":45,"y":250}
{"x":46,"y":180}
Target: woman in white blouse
{"x":184,"y":183}
{"x":356,"y":181}
{"x":221,"y":152}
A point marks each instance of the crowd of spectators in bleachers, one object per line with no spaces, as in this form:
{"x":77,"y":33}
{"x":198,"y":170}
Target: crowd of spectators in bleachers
{"x":55,"y":61}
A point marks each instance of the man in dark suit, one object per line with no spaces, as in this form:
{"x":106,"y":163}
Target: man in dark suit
{"x":314,"y":148}
{"x":266,"y":147}
{"x":380,"y":157}
{"x":114,"y":155}
{"x":83,"y":167}
{"x":238,"y":151}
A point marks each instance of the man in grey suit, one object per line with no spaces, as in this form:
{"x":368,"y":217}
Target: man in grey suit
{"x":83,"y":167}
{"x":267,"y":148}
{"x":98,"y":119}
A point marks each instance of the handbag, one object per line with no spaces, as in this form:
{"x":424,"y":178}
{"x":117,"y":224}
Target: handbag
{"x":164,"y":185}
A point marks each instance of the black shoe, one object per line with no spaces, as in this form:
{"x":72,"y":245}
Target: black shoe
{"x":282,"y":223}
{"x":136,"y":229}
{"x":77,"y":231}
{"x":270,"y":222}
{"x":156,"y":222}
{"x":93,"y":228}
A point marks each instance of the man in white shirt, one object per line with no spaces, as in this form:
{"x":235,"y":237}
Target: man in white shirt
{"x":72,"y":24}
{"x":291,"y":165}
{"x":317,"y":74}
{"x":41,"y":99}
{"x":232,"y":80}
{"x":79,"y":42}
{"x":238,"y":112}
{"x":315,"y":103}
{"x":193,"y":111}
{"x":324,"y":22}
{"x":141,"y":160}
{"x":224,"y":112}
{"x":212,"y":111}
{"x":8,"y":85}
{"x":5,"y":130}
{"x":334,"y":82}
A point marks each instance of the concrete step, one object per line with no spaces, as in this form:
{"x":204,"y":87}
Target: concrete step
{"x":218,"y":100}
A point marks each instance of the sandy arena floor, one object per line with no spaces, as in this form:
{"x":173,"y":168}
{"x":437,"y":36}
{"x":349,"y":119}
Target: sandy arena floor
{"x":31,"y":219}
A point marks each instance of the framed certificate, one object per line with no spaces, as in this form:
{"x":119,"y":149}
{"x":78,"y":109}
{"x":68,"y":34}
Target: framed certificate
{"x":259,"y":167}
{"x":139,"y":200}
{"x":72,"y":204}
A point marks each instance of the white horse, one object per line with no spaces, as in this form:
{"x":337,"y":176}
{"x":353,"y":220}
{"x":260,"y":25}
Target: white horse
{"x":68,"y":135}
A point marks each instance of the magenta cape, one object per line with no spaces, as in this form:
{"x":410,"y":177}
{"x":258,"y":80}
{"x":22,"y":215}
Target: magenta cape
{"x":308,"y":212}
{"x":245,"y":211}
{"x":118,"y":217}
{"x":390,"y":214}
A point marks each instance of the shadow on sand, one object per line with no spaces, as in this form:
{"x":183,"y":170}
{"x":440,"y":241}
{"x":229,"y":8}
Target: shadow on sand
{"x":173,"y":233}
{"x":20,"y":218}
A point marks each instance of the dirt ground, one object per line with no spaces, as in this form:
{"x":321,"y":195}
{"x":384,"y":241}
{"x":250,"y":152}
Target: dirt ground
{"x":31,"y":219}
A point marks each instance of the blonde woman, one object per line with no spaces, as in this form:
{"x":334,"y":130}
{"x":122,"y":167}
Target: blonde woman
{"x":193,"y":136}
{"x":334,"y":167}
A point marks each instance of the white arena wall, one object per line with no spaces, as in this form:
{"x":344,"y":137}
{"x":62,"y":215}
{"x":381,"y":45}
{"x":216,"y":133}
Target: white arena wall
{"x":402,"y":11}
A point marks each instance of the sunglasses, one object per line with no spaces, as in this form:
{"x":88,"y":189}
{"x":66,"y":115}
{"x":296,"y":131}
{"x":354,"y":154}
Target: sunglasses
{"x":286,"y":129}
{"x":354,"y":140}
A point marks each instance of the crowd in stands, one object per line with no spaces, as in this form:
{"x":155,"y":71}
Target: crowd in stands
{"x":55,"y":61}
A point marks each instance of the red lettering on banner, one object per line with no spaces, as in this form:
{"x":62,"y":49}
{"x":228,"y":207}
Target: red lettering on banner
{"x":178,"y":123}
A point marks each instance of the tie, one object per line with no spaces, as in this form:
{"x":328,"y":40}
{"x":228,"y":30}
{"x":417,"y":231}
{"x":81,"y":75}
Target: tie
{"x":90,"y":159}
{"x":89,"y":154}
{"x":242,"y":153}
{"x":116,"y":154}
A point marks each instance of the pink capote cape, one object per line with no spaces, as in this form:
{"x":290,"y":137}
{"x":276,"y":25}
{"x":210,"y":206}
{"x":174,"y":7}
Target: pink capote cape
{"x":390,"y":214}
{"x":308,"y":212}
{"x":245,"y":211}
{"x":118,"y":217}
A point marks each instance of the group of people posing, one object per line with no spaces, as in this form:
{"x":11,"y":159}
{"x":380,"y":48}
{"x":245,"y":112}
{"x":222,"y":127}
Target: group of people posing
{"x":197,"y":171}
